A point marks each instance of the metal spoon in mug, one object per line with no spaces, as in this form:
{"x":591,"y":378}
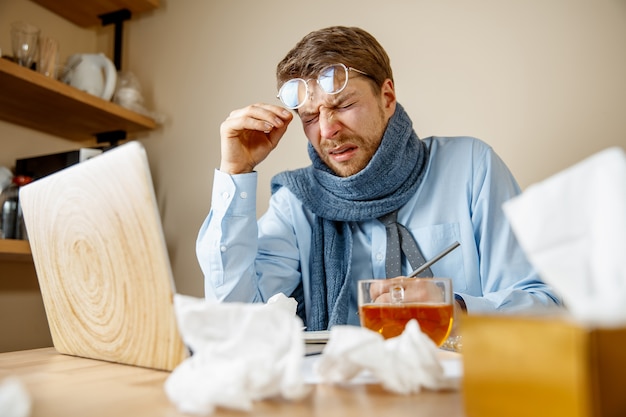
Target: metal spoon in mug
{"x":435,"y":259}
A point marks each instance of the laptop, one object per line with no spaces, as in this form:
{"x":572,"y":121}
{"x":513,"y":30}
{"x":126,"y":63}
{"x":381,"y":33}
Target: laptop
{"x":101,"y":260}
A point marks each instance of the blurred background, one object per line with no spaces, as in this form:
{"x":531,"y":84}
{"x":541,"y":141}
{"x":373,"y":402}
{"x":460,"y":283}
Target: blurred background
{"x":543,"y":82}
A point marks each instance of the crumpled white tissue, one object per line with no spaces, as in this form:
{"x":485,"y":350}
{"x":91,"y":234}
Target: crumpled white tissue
{"x":572,"y":227}
{"x":241,"y":353}
{"x":14,"y":399}
{"x":404,"y":364}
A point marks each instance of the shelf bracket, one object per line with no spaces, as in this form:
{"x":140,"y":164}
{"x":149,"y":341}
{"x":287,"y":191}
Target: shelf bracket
{"x":112,"y":138}
{"x":117,"y":18}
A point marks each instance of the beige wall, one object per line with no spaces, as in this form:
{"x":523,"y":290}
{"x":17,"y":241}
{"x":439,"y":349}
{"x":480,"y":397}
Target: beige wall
{"x":542,"y":81}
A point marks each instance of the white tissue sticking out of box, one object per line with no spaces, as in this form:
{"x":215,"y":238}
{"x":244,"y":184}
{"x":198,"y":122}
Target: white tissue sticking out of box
{"x":241,"y":353}
{"x":572,"y":227}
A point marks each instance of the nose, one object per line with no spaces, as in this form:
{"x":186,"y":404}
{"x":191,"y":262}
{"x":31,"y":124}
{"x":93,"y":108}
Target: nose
{"x":329,"y":125}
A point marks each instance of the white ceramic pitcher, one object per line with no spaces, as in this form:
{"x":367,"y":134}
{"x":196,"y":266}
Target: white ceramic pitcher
{"x":93,"y":73}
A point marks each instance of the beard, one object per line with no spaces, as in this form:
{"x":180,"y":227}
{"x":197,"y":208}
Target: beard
{"x":366,"y":150}
{"x":366,"y":146}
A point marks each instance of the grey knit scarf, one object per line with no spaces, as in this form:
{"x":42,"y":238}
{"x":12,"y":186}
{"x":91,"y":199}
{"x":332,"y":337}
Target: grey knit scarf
{"x":384,"y":185}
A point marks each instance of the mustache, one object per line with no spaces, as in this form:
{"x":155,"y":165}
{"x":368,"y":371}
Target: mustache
{"x":339,"y":141}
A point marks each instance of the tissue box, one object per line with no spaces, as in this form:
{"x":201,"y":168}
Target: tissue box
{"x":531,"y":366}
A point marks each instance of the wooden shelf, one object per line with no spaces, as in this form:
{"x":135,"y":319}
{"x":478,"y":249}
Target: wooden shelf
{"x":15,"y":250}
{"x":37,"y":102}
{"x":85,"y":13}
{"x":32,"y":100}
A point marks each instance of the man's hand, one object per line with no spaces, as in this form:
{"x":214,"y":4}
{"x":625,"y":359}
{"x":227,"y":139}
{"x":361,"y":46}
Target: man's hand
{"x":405,"y":289}
{"x":416,"y":290}
{"x":248,"y":136}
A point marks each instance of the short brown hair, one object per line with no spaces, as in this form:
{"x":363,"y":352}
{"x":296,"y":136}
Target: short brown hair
{"x":350,"y":46}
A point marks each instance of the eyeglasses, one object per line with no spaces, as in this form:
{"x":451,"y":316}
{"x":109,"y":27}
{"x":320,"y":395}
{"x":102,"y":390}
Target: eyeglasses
{"x":332,"y":80}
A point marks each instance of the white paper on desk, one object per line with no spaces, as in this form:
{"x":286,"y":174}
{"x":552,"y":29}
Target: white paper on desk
{"x":572,"y":227}
{"x":242,"y":352}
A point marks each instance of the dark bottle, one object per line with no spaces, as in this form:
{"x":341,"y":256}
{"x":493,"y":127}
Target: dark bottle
{"x":11,"y":221}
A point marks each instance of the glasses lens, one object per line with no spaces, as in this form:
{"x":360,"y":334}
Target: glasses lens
{"x":333,"y":79}
{"x":293,"y":93}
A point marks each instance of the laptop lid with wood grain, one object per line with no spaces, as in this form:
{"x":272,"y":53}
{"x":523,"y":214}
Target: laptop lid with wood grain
{"x":101,"y":260}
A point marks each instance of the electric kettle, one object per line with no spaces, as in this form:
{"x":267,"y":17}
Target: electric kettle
{"x":93,"y":73}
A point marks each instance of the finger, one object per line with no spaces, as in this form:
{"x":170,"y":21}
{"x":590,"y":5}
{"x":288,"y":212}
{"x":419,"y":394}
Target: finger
{"x":263,"y":117}
{"x":383,"y":298}
{"x":377,"y":288}
{"x":382,"y":286}
{"x":278,"y":132}
{"x":421,"y":290}
{"x":234,"y":126}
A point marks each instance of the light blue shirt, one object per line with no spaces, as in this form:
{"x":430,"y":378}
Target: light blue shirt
{"x":460,"y":199}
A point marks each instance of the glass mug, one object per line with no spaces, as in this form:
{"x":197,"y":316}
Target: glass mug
{"x":387,"y":305}
{"x":25,"y":41}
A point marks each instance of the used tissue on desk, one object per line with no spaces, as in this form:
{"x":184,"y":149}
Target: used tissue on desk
{"x":572,"y":227}
{"x":241,"y":353}
{"x":404,"y":364}
{"x":15,"y":401}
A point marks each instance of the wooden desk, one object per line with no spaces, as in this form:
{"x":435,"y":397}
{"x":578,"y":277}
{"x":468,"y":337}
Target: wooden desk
{"x":67,"y":386}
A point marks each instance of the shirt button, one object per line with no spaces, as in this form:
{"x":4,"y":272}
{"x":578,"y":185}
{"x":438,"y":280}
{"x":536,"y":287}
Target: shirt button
{"x":225,"y":195}
{"x":223,"y":248}
{"x":243,"y":194}
{"x":379,"y":257}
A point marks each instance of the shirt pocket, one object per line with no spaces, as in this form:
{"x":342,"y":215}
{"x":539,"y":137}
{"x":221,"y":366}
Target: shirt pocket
{"x":435,"y":238}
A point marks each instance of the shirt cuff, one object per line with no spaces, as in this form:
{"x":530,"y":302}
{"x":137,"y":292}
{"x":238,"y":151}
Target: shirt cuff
{"x":234,"y":193}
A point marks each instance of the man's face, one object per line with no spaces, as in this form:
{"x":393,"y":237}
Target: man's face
{"x":346,"y":128}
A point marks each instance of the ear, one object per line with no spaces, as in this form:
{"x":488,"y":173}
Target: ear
{"x":388,"y":97}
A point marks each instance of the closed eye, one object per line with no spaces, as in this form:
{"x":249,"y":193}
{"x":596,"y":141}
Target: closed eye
{"x":343,"y":102}
{"x":309,"y":119}
{"x":346,"y":106}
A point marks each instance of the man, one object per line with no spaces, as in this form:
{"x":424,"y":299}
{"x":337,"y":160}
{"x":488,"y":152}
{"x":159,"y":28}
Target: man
{"x":324,"y":227}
